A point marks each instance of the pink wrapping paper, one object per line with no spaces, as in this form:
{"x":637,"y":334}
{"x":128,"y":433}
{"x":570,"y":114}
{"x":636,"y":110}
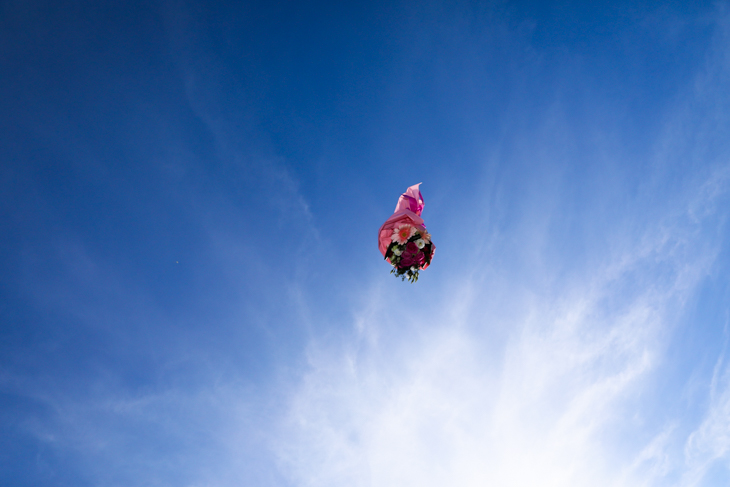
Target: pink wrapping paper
{"x":408,"y":210}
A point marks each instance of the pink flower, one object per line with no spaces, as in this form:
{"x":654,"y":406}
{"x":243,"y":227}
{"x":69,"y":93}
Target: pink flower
{"x":412,"y":256}
{"x":402,"y":233}
{"x":420,"y":229}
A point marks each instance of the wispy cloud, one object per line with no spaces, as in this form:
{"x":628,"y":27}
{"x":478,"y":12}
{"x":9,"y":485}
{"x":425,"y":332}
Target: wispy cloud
{"x":710,"y":441}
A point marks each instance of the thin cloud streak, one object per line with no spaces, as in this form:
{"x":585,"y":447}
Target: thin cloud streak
{"x":710,"y":442}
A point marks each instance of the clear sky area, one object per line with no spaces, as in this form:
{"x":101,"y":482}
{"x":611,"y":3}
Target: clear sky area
{"x":191,"y":292}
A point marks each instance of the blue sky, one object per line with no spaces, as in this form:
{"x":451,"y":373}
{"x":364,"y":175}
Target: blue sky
{"x":191,"y":290}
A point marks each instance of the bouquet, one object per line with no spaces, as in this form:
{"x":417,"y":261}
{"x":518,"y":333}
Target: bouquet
{"x":403,"y":239}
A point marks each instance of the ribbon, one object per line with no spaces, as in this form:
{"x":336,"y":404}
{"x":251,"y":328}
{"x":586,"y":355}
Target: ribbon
{"x":411,"y":200}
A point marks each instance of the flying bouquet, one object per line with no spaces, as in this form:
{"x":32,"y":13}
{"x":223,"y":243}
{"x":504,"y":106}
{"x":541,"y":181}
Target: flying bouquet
{"x":403,"y":239}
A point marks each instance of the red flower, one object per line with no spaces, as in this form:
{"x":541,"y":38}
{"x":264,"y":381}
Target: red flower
{"x":412,"y":256}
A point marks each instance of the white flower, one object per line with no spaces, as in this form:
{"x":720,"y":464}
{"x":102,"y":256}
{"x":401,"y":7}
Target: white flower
{"x":421,"y":243}
{"x":414,"y":268}
{"x":396,"y":251}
